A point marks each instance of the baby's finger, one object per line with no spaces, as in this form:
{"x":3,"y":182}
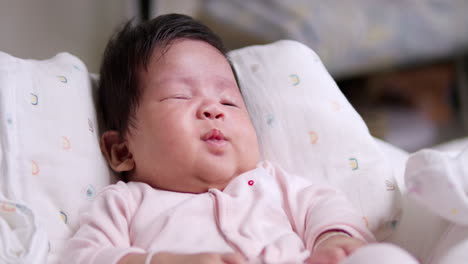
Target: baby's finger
{"x":317,"y":260}
{"x":349,"y":249}
{"x":233,"y":258}
{"x":327,"y":256}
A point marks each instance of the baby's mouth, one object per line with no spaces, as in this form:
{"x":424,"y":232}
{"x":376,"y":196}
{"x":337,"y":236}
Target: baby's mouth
{"x":214,"y":135}
{"x":216,"y":140}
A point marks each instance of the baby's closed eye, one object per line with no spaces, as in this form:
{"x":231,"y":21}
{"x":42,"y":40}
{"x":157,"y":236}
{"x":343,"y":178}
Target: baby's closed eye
{"x":177,"y":97}
{"x":229,"y":103}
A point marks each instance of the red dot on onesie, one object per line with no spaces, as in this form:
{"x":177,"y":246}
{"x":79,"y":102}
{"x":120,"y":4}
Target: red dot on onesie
{"x":251,"y":182}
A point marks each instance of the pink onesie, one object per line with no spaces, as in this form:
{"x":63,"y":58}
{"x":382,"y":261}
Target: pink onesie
{"x":267,"y":215}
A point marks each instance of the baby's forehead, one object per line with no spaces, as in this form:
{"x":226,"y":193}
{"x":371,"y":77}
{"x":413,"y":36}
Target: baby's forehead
{"x":190,"y":85}
{"x":219,"y":82}
{"x":187,"y":62}
{"x":170,"y":79}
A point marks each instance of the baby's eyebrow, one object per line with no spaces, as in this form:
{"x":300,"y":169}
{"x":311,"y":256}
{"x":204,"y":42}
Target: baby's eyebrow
{"x":224,"y":83}
{"x":221,"y":83}
{"x":165,"y":85}
{"x":176,"y":79}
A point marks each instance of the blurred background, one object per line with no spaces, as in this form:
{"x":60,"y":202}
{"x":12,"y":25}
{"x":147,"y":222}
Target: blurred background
{"x":402,"y":64}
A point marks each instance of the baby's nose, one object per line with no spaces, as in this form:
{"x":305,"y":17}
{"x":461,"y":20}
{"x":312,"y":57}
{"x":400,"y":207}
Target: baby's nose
{"x":212,"y":115}
{"x":210,"y":111}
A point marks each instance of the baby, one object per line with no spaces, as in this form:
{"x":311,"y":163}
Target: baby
{"x":194,"y":189}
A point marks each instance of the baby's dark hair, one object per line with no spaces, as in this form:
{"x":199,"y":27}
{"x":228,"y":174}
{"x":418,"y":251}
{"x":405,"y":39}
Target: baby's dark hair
{"x":128,"y":53}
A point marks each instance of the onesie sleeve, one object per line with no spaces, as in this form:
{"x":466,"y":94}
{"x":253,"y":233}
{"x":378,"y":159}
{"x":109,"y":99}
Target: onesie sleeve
{"x":103,"y":236}
{"x":316,"y":208}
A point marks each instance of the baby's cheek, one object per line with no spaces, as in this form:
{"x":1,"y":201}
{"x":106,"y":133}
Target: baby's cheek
{"x":252,"y":148}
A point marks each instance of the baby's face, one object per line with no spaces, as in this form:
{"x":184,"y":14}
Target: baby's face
{"x":192,"y":128}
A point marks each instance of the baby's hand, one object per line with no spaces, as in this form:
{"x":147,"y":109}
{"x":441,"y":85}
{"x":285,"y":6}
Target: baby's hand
{"x":202,"y":258}
{"x":334,"y":249}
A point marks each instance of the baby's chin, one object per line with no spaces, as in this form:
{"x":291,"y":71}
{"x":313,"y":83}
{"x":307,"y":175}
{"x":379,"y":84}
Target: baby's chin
{"x":197,"y":179}
{"x":187,"y":184}
{"x":222,"y":182}
{"x":195,"y":189}
{"x":214,"y":179}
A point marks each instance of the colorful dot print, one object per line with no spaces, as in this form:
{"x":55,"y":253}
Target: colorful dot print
{"x":7,"y":207}
{"x":313,"y":136}
{"x":62,"y":79}
{"x":90,"y":125}
{"x":390,"y":185}
{"x":66,"y":144}
{"x":270,"y":120}
{"x":251,"y":182}
{"x":294,"y":79}
{"x":34,"y":168}
{"x":64,"y":217}
{"x":34,"y":99}
{"x":353,"y":162}
{"x":90,"y":192}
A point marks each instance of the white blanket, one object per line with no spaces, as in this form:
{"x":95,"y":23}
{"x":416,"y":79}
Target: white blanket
{"x":439,"y":181}
{"x":20,"y":239}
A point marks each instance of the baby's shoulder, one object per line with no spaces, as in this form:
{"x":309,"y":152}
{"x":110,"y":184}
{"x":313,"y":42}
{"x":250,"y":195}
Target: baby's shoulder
{"x":269,"y":166}
{"x":285,"y":176}
{"x":273,"y":172}
{"x":124,"y":190}
{"x":272,"y":168}
{"x":121,"y":186}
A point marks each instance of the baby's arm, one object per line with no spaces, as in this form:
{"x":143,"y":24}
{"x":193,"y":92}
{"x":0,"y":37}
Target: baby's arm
{"x":169,"y":258}
{"x":316,"y":211}
{"x":103,"y":236}
{"x":333,"y":246}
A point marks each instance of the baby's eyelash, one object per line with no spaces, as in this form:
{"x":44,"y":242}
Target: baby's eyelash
{"x":177,"y":96}
{"x":229,"y":104}
{"x":181,"y":97}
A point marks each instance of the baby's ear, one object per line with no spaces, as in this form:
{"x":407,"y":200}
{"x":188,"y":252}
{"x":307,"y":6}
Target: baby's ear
{"x":116,"y":151}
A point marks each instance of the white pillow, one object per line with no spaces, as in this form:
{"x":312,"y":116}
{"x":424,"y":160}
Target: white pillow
{"x":51,"y":161}
{"x":306,"y":125}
